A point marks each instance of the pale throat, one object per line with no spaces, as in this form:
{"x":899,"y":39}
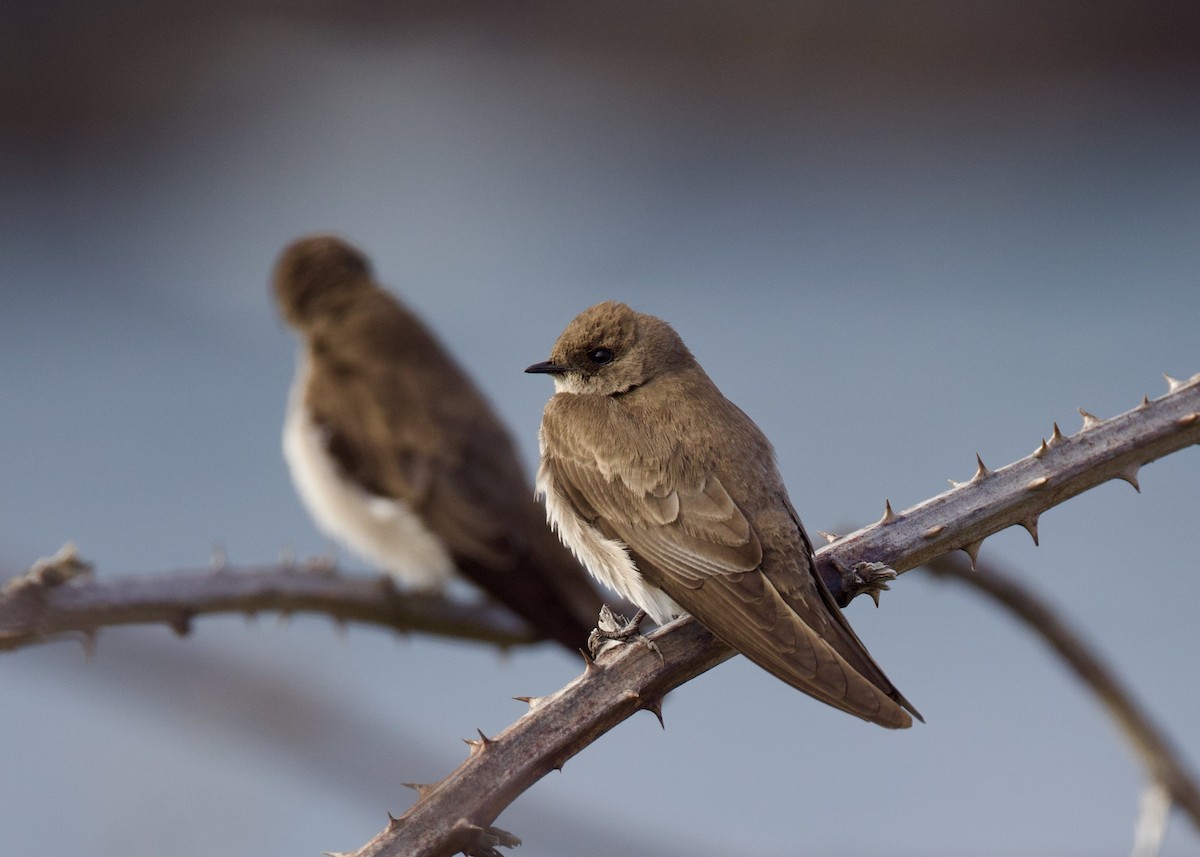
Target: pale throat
{"x":568,"y":383}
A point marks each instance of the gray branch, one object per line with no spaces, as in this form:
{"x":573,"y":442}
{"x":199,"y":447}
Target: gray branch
{"x":60,"y":596}
{"x":993,"y":500}
{"x":456,"y":813}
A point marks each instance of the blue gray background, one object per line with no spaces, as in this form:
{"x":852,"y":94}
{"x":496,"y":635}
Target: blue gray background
{"x":896,"y":236}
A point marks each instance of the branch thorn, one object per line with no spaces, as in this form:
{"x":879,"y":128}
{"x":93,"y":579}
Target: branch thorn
{"x":421,"y":789}
{"x":181,"y":623}
{"x":655,"y":708}
{"x":1130,"y":476}
{"x":1089,"y":420}
{"x":480,"y":744}
{"x":1031,"y":524}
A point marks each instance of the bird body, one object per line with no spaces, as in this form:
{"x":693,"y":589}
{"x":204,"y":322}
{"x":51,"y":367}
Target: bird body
{"x":396,"y":453}
{"x":385,"y":531}
{"x":670,"y":495}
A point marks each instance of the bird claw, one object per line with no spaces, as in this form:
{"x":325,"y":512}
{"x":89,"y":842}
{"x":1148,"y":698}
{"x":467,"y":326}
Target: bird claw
{"x":867,"y":577}
{"x":612,"y":630}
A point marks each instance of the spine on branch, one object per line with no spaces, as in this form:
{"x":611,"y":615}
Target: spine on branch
{"x":1018,"y":493}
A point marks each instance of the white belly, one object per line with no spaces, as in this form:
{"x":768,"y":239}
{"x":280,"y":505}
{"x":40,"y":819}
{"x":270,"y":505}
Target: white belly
{"x":607,"y":559}
{"x":383,"y":531}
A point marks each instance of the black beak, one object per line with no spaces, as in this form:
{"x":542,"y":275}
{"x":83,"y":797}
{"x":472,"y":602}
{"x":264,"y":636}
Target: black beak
{"x":549,"y":367}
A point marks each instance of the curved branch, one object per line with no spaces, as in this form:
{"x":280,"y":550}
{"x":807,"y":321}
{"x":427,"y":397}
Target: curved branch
{"x":455,"y":814}
{"x":1160,"y":760}
{"x":60,"y":596}
{"x":993,"y":500}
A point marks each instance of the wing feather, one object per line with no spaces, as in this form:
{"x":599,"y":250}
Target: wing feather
{"x":404,"y":422}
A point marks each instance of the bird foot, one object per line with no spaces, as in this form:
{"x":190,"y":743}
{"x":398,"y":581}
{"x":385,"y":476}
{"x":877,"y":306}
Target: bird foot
{"x":612,"y":630}
{"x":867,"y":577}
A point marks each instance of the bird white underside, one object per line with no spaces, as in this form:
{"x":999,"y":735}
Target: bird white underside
{"x":607,"y":559}
{"x":383,"y":531}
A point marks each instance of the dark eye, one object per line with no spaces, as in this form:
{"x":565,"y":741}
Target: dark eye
{"x":600,"y":356}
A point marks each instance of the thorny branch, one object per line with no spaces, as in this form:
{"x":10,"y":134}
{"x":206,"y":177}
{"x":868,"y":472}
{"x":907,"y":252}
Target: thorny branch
{"x":993,"y":500}
{"x":59,"y":596}
{"x":456,"y":813}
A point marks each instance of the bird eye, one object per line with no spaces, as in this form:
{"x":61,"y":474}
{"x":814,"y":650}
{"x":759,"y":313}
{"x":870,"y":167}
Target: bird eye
{"x":600,"y":356}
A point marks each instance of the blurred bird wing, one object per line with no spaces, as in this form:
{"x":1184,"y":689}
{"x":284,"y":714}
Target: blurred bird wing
{"x":441,"y":452}
{"x":478,"y":497}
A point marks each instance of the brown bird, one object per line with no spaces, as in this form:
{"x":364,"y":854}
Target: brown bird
{"x":670,"y":495}
{"x":397,"y":454}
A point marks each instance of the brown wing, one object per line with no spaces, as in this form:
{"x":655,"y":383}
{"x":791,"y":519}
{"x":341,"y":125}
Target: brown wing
{"x":403,"y":421}
{"x":756,"y":591}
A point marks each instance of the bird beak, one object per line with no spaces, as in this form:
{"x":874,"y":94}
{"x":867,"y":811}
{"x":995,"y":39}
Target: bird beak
{"x":549,"y":367}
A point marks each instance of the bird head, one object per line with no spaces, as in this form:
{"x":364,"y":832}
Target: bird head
{"x":610,"y":349}
{"x":316,"y":275}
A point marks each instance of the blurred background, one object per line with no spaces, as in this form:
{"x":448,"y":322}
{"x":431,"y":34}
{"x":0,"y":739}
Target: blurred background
{"x":895,"y":234}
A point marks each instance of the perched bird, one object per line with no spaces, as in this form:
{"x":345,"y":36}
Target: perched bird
{"x":397,"y":455}
{"x":670,"y":495}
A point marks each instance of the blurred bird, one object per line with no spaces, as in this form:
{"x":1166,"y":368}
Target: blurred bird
{"x":670,"y":495}
{"x":397,"y":454}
